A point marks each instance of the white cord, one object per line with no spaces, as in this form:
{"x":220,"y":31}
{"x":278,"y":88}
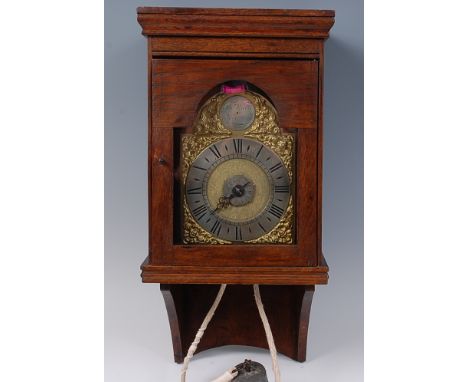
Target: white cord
{"x":227,"y":376}
{"x":232,"y":373}
{"x":269,"y":334}
{"x":201,"y":331}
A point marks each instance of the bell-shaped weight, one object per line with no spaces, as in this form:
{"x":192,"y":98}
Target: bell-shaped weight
{"x":250,"y":371}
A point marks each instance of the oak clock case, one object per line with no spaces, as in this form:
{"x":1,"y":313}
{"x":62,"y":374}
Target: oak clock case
{"x":235,"y":139}
{"x":237,"y":173}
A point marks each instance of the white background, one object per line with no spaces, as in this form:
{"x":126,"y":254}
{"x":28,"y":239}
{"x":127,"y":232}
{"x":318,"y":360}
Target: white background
{"x":51,"y":211}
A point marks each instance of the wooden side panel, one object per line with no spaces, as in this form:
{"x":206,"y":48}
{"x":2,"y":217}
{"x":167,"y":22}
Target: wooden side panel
{"x":162,"y":196}
{"x":180,"y":84}
{"x":173,"y":299}
{"x":307,"y":195}
{"x":320,"y":153}
{"x":303,"y":325}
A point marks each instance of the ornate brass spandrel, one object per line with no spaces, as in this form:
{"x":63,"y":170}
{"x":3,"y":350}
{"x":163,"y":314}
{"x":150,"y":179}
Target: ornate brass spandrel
{"x":266,"y":117}
{"x":194,"y":234}
{"x":192,"y":146}
{"x":208,"y":129}
{"x":283,"y":145}
{"x":208,"y":121}
{"x":283,"y":232}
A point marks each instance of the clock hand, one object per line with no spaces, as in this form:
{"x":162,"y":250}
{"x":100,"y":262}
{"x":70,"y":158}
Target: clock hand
{"x":225,"y":201}
{"x":238,"y":190}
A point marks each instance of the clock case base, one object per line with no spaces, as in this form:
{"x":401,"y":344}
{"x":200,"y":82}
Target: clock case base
{"x":286,"y":295}
{"x":237,"y":321}
{"x":151,"y":273}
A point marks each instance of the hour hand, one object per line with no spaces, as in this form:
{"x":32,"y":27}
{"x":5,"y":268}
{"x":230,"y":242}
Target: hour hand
{"x":223,"y":202}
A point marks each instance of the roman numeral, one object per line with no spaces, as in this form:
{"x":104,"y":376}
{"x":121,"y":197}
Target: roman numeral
{"x":277,"y":166}
{"x":200,"y":211}
{"x":282,"y":189}
{"x":237,"y":145}
{"x":215,"y":151}
{"x":259,"y":151}
{"x":216,"y":228}
{"x":263,"y":228}
{"x":276,"y":211}
{"x":238,"y":233}
{"x":200,"y":168}
{"x":194,"y":191}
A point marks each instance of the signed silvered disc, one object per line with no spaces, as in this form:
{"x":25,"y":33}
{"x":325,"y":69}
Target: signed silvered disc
{"x":237,"y":113}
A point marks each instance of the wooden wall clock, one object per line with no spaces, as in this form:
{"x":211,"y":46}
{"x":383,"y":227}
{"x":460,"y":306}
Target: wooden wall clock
{"x":235,"y":169}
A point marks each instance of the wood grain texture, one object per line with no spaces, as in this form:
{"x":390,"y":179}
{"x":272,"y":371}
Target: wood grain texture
{"x":319,"y":183}
{"x":150,"y":148}
{"x":172,"y":298}
{"x":238,"y":255}
{"x":235,"y":275}
{"x":236,"y":11}
{"x":306,"y":200}
{"x":161,"y":206}
{"x":237,"y":321}
{"x":180,"y":84}
{"x":303,"y":323}
{"x":235,"y":47}
{"x":235,"y":22}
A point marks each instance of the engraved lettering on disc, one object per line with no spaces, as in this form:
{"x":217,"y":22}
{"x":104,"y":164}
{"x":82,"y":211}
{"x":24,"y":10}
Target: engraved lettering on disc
{"x":237,"y":113}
